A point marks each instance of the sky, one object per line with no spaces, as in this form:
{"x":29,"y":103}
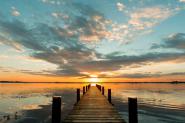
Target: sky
{"x":98,"y":40}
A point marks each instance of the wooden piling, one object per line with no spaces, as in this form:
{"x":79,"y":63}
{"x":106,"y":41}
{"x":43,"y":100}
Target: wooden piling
{"x":109,"y":95}
{"x":86,"y":88}
{"x":56,"y":109}
{"x":132,"y":108}
{"x":78,"y":95}
{"x":83,"y":90}
{"x":103,"y":90}
{"x":98,"y":86}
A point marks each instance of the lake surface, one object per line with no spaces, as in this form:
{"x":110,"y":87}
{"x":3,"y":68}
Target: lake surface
{"x":157,"y":103}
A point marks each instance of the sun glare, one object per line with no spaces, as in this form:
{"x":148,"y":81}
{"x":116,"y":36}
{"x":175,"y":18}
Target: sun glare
{"x":94,"y":79}
{"x":93,"y":84}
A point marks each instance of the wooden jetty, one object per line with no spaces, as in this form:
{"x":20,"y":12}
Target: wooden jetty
{"x":93,"y":107}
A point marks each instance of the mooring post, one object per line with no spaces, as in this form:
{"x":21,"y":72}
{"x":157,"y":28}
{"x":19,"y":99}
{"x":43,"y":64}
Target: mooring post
{"x":78,"y":94}
{"x":109,"y":95}
{"x":56,"y":109}
{"x":86,"y":88}
{"x":83,"y":90}
{"x":132,"y":105}
{"x":103,"y":90}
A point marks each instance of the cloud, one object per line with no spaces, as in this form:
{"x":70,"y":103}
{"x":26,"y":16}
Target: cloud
{"x":54,"y":45}
{"x":182,"y":1}
{"x":91,"y":26}
{"x":175,"y":41}
{"x":56,"y":15}
{"x":55,"y":73}
{"x":22,"y":36}
{"x":143,"y":75}
{"x":151,"y":75}
{"x":93,"y":30}
{"x":139,"y":75}
{"x":81,"y":63}
{"x":67,"y":46}
{"x":72,"y":57}
{"x":140,"y":22}
{"x":113,"y":63}
{"x":15,"y":12}
{"x":59,"y":15}
{"x":5,"y":69}
{"x":3,"y":57}
{"x":10,"y":42}
{"x":52,"y":2}
{"x":148,"y":17}
{"x":120,"y":6}
{"x":94,"y":27}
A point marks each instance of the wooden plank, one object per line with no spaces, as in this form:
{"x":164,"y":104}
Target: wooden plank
{"x":93,"y":107}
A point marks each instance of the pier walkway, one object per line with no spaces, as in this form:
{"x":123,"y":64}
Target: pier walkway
{"x":93,"y":107}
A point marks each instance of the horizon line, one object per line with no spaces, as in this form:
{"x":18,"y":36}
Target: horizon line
{"x":91,"y":82}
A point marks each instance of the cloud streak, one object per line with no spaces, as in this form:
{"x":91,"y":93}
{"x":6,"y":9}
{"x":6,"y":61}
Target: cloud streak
{"x":148,"y":17}
{"x":174,"y":41}
{"x":144,"y":75}
{"x":120,"y":6}
{"x":15,"y":12}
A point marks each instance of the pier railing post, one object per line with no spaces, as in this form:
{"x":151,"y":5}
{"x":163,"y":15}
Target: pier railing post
{"x":83,"y":90}
{"x":109,"y":95}
{"x":103,"y":90}
{"x":132,"y":108}
{"x":56,"y":109}
{"x":78,"y":94}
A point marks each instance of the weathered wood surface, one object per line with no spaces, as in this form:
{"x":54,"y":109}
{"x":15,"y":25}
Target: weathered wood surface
{"x":93,"y":107}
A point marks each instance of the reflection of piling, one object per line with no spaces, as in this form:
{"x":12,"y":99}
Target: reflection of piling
{"x":56,"y":109}
{"x":16,"y":115}
{"x":103,"y":90}
{"x":132,"y":108}
{"x":109,"y":95}
{"x":8,"y":117}
{"x":78,"y":94}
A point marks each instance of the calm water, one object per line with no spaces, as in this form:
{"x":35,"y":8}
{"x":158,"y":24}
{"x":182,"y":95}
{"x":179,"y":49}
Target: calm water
{"x":157,"y":103}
